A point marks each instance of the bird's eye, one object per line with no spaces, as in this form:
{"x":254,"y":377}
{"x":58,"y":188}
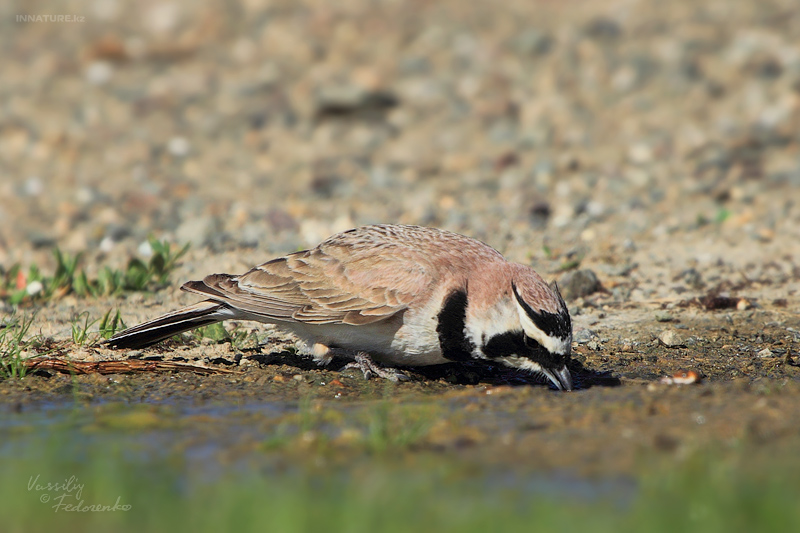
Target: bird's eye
{"x":531,"y":344}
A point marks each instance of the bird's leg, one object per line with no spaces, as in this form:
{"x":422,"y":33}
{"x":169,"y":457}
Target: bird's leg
{"x":370,"y":368}
{"x":362,"y":361}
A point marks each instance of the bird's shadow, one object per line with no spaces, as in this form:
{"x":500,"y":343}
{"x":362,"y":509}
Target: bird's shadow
{"x":472,"y":373}
{"x":586,"y":378}
{"x":465,"y":373}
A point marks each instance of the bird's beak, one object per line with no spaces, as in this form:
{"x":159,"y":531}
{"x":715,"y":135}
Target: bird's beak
{"x":560,"y":378}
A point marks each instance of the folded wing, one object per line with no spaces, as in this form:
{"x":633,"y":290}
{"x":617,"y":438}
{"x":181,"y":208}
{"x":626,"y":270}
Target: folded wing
{"x":331,"y":284}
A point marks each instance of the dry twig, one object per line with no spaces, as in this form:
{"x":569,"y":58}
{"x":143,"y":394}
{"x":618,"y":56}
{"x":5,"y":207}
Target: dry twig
{"x":116,"y":367}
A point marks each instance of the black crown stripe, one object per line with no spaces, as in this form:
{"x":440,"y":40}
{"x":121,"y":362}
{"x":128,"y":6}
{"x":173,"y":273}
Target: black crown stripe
{"x":553,"y":324}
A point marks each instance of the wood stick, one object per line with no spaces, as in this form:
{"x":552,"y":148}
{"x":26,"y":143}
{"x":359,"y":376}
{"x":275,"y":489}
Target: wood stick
{"x":116,"y":367}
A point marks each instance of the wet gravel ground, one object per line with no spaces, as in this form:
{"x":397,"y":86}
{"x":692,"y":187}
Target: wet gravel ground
{"x":644,"y":154}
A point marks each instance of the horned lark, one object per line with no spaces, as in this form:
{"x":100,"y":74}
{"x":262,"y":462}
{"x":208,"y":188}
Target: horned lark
{"x":396,"y":295}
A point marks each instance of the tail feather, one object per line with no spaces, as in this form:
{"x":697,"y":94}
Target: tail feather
{"x":164,"y":327}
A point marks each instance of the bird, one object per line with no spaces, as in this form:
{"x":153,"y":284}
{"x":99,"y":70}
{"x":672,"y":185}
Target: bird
{"x":386,"y":296}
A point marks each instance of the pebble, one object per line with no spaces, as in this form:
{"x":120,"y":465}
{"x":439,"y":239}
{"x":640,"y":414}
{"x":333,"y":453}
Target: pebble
{"x":583,"y":336}
{"x":579,"y":283}
{"x":33,"y":186}
{"x":691,"y":277}
{"x":106,"y":245}
{"x":539,"y":213}
{"x":354,"y":102}
{"x":34,"y":287}
{"x":196,"y":230}
{"x":99,"y":72}
{"x":663,"y":316}
{"x":640,"y":153}
{"x":671,"y":338}
{"x":765,"y":353}
{"x":618,"y":269}
{"x":603,"y":29}
{"x":178,"y":146}
{"x":144,"y":249}
{"x":533,"y":42}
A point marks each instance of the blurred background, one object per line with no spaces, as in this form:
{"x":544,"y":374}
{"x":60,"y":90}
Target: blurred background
{"x":655,"y":144}
{"x":272,"y":124}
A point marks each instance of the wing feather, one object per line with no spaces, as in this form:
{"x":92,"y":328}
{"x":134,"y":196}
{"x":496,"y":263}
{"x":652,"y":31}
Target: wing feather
{"x":331,"y":284}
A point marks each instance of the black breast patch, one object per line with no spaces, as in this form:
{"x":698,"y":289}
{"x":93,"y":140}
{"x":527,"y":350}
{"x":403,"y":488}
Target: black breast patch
{"x":452,"y":319}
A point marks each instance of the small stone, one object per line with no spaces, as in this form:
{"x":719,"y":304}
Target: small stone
{"x":99,"y":72}
{"x":765,"y":235}
{"x":108,"y":48}
{"x":33,"y":186}
{"x":533,"y":42}
{"x":353,"y":101}
{"x":280,"y":220}
{"x":85,"y":196}
{"x":640,"y":153}
{"x":670,"y":338}
{"x":691,"y":277}
{"x":766,"y":352}
{"x":196,"y":230}
{"x":619,"y":269}
{"x":582,"y":336}
{"x":34,"y":288}
{"x":603,"y":29}
{"x":178,"y":146}
{"x":107,"y":244}
{"x":539,"y":213}
{"x":145,"y":249}
{"x":326,"y":185}
{"x":663,"y":316}
{"x":579,"y":283}
{"x":743,"y":305}
{"x":250,"y":235}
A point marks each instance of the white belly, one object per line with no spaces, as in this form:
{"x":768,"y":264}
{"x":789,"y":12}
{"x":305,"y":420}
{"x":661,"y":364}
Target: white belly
{"x":402,"y":340}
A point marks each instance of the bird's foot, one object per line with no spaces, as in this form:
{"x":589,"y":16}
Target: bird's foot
{"x":371,"y":369}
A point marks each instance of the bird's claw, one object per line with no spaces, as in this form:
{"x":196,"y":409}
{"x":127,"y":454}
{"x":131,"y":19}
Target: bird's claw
{"x":370,"y":368}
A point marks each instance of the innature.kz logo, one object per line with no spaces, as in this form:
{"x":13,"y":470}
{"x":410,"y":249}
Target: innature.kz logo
{"x":51,"y":18}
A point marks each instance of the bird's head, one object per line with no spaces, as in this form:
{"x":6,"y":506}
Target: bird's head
{"x":529,"y":328}
{"x":547,"y":333}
